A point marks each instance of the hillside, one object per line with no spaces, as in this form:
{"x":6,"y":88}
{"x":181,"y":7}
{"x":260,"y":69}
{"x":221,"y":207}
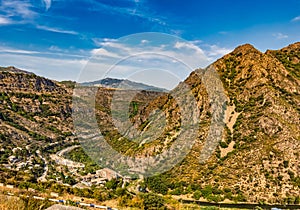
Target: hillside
{"x":256,"y":161}
{"x":36,"y":123}
{"x":258,"y":158}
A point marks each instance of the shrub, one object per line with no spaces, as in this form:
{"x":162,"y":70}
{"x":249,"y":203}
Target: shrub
{"x":206,"y":191}
{"x":197,"y":195}
{"x":286,"y":163}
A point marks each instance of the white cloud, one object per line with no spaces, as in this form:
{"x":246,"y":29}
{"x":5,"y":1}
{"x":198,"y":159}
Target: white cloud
{"x":16,"y":51}
{"x":105,"y":53}
{"x":144,"y":41}
{"x":130,"y":55}
{"x":280,"y":36}
{"x":117,"y":58}
{"x":216,"y":51}
{"x":58,"y":69}
{"x":56,"y":30}
{"x":188,"y":46}
{"x":5,"y":21}
{"x":296,"y":19}
{"x":47,"y":4}
{"x":180,"y":50}
{"x":100,"y":42}
{"x":17,"y":8}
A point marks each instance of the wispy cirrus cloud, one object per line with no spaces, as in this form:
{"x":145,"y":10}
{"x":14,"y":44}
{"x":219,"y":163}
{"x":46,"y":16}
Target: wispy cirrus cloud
{"x":61,"y":64}
{"x":56,"y":30}
{"x":295,"y":19}
{"x":47,"y":4}
{"x":280,"y":36}
{"x":56,"y":68}
{"x":16,"y":51}
{"x":136,"y":8}
{"x":23,"y":12}
{"x":53,"y":51}
{"x":16,"y":9}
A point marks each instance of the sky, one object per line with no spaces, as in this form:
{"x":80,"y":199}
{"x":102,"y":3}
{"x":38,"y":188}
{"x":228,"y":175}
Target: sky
{"x":58,"y":39}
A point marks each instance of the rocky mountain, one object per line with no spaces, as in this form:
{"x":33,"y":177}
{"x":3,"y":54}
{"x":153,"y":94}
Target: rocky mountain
{"x":256,"y":160}
{"x":123,"y":84}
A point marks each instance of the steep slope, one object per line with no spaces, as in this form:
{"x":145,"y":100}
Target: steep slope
{"x":258,"y":159}
{"x":36,"y":121}
{"x":33,"y":103}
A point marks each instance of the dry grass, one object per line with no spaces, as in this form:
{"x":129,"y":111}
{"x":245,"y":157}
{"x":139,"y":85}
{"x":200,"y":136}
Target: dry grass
{"x":11,"y":203}
{"x":15,"y":203}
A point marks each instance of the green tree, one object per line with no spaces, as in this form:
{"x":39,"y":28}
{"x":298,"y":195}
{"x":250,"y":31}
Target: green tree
{"x":206,"y":191}
{"x":157,"y":184}
{"x":153,"y":201}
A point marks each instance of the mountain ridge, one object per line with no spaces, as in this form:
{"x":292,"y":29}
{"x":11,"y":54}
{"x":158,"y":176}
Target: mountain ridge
{"x":122,"y":84}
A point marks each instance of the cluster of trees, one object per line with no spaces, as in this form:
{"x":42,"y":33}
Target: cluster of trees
{"x":147,"y":201}
{"x":162,"y":185}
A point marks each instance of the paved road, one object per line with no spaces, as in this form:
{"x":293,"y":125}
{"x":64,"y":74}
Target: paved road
{"x":67,"y":150}
{"x":59,"y":158}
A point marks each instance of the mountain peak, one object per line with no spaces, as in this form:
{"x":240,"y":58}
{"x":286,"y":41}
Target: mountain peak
{"x":245,"y":49}
{"x":294,"y":46}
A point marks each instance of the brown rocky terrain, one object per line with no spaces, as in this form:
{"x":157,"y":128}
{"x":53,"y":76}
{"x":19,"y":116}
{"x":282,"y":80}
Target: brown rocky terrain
{"x":263,"y":164}
{"x":257,"y":159}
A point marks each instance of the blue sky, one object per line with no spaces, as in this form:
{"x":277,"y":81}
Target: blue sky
{"x":55,"y":38}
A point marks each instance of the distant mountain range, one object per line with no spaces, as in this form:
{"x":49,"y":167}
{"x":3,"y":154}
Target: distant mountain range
{"x":123,"y":84}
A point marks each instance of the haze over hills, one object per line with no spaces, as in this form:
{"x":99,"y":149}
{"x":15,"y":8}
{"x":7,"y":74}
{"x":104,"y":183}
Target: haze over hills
{"x":258,"y":159}
{"x":122,"y":84}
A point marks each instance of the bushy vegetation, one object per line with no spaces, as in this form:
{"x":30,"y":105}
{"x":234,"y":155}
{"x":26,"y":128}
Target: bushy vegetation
{"x":286,"y":59}
{"x":78,"y":155}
